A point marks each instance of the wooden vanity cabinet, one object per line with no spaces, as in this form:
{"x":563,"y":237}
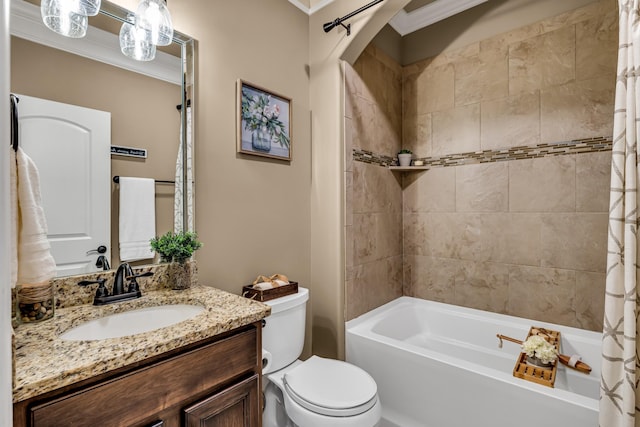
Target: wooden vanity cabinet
{"x":213,"y":383}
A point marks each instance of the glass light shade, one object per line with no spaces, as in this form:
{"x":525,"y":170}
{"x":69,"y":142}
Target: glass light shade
{"x":153,"y":17}
{"x":58,"y":17}
{"x":85,"y":7}
{"x":134,"y":44}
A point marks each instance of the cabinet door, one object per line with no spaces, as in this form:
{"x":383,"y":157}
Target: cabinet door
{"x":236,"y":406}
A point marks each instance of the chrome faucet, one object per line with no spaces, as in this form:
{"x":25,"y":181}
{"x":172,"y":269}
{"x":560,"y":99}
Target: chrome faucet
{"x":118,"y":293}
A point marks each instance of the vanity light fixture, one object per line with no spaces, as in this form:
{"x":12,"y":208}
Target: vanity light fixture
{"x":133,"y":42}
{"x":58,"y":16}
{"x":153,"y":17}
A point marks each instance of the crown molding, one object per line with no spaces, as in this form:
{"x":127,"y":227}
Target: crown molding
{"x":405,"y":23}
{"x":313,"y":9}
{"x":98,"y":45}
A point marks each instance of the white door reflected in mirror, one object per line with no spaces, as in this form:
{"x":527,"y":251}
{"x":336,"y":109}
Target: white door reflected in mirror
{"x":70,"y":146}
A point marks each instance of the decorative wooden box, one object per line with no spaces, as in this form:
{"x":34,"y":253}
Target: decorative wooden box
{"x":269,"y":294}
{"x":545,"y":376}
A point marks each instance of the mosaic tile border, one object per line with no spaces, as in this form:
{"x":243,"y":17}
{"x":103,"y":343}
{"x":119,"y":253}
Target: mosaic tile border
{"x":587,"y":145}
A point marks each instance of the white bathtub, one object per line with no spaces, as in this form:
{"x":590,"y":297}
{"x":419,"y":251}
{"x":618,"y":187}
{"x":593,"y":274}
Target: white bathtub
{"x":439,"y":365}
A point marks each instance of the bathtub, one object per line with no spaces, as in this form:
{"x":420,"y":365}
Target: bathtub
{"x":439,"y":365}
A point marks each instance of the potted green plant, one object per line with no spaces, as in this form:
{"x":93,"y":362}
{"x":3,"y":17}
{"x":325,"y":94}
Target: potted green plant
{"x":404,"y":157}
{"x":176,"y":249}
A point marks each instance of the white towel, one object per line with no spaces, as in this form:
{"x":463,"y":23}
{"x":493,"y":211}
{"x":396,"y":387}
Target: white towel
{"x":137,"y":218}
{"x":31,"y":259}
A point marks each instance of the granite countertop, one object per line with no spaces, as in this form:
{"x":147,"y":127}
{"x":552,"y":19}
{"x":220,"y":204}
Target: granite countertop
{"x":44,"y":362}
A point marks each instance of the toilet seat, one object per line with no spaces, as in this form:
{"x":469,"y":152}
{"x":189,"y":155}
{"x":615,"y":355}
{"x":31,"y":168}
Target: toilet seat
{"x":331,"y":387}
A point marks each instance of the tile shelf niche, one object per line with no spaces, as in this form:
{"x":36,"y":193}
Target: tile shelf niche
{"x":408,"y":168}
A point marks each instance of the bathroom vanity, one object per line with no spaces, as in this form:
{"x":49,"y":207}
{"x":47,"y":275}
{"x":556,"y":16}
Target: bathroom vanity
{"x":200,"y":371}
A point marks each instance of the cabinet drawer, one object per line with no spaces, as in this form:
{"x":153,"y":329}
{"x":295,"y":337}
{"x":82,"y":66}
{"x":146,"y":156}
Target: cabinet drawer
{"x":238,"y":405}
{"x":135,"y":396}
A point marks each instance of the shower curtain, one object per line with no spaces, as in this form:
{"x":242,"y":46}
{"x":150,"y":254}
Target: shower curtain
{"x":178,"y":224}
{"x":619,"y":398}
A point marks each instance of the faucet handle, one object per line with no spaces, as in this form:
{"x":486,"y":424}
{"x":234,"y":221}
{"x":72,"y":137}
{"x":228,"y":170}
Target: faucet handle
{"x":91,"y":282}
{"x":102,"y":289}
{"x":133,"y":283}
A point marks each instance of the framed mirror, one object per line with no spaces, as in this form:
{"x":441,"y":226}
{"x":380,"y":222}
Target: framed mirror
{"x":150,"y":108}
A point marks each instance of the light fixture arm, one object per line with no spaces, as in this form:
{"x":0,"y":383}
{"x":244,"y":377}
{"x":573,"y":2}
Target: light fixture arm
{"x":338,"y":21}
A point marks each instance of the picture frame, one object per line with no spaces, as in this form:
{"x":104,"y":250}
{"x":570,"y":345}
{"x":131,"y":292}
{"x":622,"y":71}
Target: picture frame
{"x":264,"y":122}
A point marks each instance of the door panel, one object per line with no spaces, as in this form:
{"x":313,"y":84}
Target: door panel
{"x":70,"y":145}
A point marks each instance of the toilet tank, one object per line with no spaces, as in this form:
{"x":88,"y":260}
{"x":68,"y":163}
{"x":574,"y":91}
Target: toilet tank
{"x":283,"y":332}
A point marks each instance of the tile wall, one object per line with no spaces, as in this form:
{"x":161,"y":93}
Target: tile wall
{"x":373,"y":219}
{"x":512,"y":216}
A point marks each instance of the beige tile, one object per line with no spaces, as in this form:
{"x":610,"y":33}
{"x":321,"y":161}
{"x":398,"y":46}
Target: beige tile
{"x":349,"y":247}
{"x":597,"y":46}
{"x":577,"y":110}
{"x":482,"y":285}
{"x":389,"y":234}
{"x":510,"y":122}
{"x":543,"y":61}
{"x":416,"y":234}
{"x":456,"y":130}
{"x":590,"y":289}
{"x":445,"y":234}
{"x":519,"y":240}
{"x":495,"y":237}
{"x":363,"y":121}
{"x":410,"y":91}
{"x":431,"y":278}
{"x":394,"y":280}
{"x":542,"y":185}
{"x":416,"y":134}
{"x":375,"y":189}
{"x":475,"y":236}
{"x":468,"y":51}
{"x":348,"y":102}
{"x":385,"y":135}
{"x":348,"y":144}
{"x":575,"y":241}
{"x":352,"y":81}
{"x":364,"y":286}
{"x":482,"y":77}
{"x":482,"y":187}
{"x":593,"y":180}
{"x":543,"y":294}
{"x":373,"y":285}
{"x":431,"y":191}
{"x":348,"y":199}
{"x":365,"y":238}
{"x":434,"y":90}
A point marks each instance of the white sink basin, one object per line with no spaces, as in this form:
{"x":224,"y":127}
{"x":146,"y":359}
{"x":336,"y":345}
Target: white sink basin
{"x":132,"y":322}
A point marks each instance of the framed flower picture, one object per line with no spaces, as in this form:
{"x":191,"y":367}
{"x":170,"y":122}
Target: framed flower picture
{"x":264,"y":122}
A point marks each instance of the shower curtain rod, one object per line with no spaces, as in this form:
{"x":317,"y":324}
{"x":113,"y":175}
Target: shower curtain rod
{"x":338,"y":21}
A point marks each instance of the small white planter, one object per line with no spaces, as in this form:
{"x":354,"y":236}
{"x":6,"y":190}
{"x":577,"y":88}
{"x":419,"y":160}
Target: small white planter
{"x":404,"y":159}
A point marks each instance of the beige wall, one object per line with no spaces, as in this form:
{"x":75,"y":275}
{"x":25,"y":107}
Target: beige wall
{"x":523,"y":237}
{"x":143,"y":114}
{"x":252,"y":213}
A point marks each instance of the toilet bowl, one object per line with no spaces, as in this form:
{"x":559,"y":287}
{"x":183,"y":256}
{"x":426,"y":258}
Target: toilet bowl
{"x":318,"y":392}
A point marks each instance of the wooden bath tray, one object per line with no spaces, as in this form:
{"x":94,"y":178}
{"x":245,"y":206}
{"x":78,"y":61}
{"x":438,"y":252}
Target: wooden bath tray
{"x":269,"y":294}
{"x":544,"y":376}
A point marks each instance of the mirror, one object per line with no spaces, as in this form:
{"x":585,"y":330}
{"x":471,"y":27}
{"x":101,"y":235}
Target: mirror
{"x":148,"y":102}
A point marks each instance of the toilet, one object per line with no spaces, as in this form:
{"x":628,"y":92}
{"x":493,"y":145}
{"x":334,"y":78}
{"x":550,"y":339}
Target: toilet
{"x":318,"y":392}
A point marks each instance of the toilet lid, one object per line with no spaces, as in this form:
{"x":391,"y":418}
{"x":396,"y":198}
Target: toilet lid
{"x":331,"y":387}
